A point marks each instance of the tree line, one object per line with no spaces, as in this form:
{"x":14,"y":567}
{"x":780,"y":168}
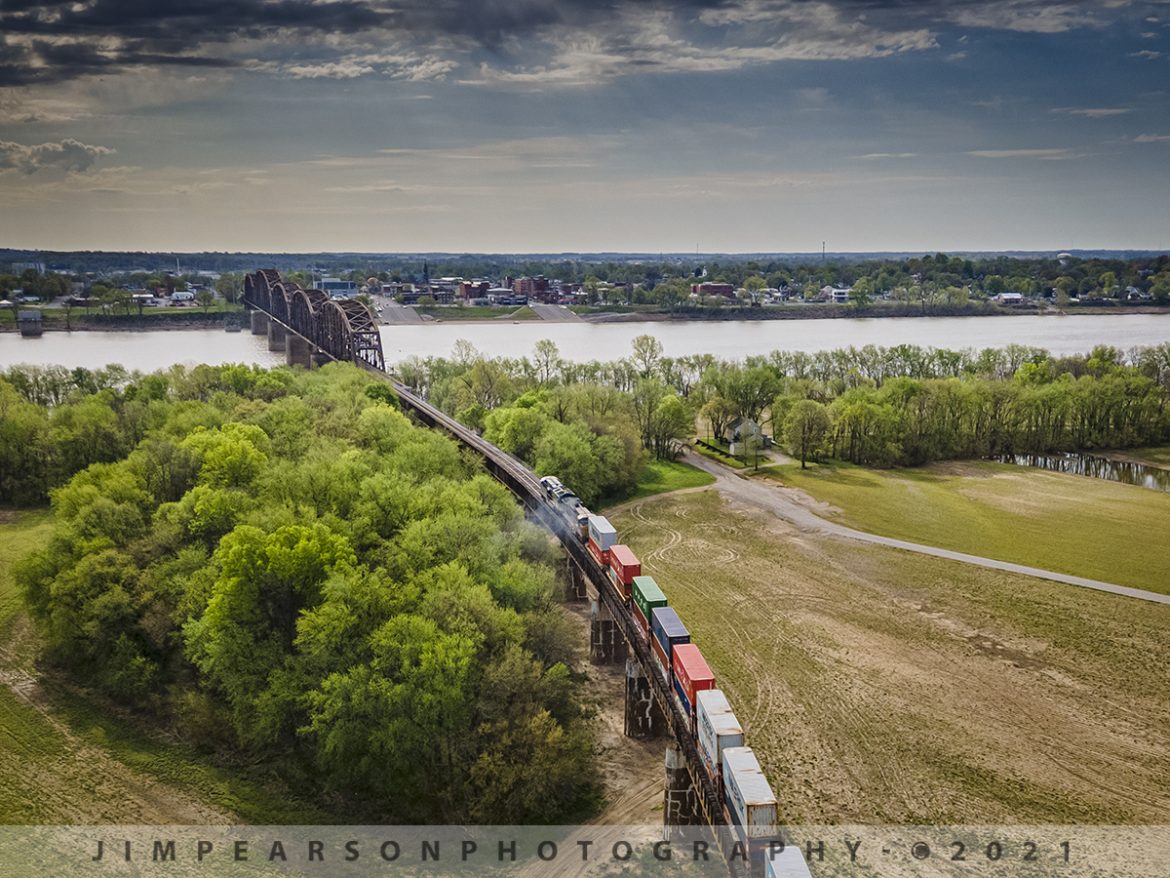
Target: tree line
{"x":281,"y":565}
{"x":884,"y":406}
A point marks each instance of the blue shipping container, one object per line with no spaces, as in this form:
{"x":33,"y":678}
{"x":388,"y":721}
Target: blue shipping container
{"x":667,"y":628}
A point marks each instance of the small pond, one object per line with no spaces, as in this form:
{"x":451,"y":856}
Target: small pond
{"x":1124,"y":471}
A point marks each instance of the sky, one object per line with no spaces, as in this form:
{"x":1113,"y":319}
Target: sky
{"x":572,"y":125}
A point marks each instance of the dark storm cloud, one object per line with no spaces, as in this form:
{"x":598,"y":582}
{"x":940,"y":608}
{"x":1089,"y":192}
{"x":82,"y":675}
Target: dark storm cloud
{"x":56,"y":41}
{"x":51,"y":42}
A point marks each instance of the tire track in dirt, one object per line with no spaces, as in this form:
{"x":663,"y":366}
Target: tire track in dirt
{"x":867,"y":717}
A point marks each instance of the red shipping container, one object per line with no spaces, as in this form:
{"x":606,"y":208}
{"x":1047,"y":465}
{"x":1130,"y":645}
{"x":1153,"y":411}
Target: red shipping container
{"x":625,"y":564}
{"x":663,"y":661}
{"x":599,"y":555}
{"x":643,"y":623}
{"x":692,"y":672}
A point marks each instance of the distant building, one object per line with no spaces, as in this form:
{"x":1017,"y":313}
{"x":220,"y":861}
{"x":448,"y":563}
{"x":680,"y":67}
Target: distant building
{"x":1010,"y":298}
{"x":19,"y":268}
{"x":474,"y":289}
{"x":532,"y":287}
{"x":506,"y":296}
{"x":338,"y":288}
{"x":708,"y":288}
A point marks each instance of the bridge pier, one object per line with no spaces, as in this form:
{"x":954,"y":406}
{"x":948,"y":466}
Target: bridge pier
{"x":276,"y":336}
{"x":298,"y":351}
{"x":259,"y":322}
{"x":576,"y":587}
{"x":680,"y":804}
{"x":606,"y":644}
{"x":319,"y":358}
{"x":644,"y":717}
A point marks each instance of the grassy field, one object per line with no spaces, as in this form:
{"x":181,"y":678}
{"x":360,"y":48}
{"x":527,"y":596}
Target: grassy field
{"x":661,"y":476}
{"x":879,"y":686}
{"x":1071,"y":524}
{"x":65,"y":758}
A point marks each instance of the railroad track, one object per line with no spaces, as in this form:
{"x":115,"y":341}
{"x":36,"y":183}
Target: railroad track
{"x":525,"y":485}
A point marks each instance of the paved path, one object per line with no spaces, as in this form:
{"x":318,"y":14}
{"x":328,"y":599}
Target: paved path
{"x":399,"y":315}
{"x":792,"y":506}
{"x":555,"y":313}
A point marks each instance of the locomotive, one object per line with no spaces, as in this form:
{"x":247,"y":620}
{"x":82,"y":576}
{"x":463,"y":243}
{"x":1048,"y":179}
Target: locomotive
{"x":748,"y":801}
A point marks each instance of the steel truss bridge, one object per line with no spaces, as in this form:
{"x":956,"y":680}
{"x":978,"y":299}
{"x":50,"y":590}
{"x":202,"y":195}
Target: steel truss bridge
{"x":342,"y":329}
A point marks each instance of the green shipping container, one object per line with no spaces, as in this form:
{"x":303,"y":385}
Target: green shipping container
{"x":647,"y":595}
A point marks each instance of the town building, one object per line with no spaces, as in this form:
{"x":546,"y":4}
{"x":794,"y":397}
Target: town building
{"x":710,"y":288}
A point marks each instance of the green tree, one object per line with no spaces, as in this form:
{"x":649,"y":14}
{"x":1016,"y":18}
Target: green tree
{"x":206,"y":298}
{"x":805,"y":428}
{"x":231,"y":286}
{"x":647,"y":354}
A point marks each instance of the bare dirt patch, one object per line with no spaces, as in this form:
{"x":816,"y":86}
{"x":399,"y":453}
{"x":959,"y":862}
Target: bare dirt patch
{"x":880,"y":686}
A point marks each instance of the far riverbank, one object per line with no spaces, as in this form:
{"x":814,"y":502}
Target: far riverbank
{"x":54,"y":319}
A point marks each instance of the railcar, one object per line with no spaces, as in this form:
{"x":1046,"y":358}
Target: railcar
{"x":646,"y":597}
{"x":602,"y":537}
{"x":622,"y":568}
{"x":748,"y":802}
{"x":716,"y":730}
{"x":690,"y":675}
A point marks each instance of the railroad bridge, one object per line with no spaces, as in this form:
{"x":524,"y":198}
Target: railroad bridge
{"x":309,"y":326}
{"x":312,"y":329}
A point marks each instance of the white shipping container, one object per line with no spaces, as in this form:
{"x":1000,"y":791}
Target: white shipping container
{"x":603,"y":534}
{"x":789,"y":863}
{"x":748,"y":794}
{"x":718,"y":729}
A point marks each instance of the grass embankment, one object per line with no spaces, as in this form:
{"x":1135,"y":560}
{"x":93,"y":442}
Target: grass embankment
{"x":67,"y":758}
{"x":524,"y":313}
{"x":713,"y":453}
{"x":55,"y":317}
{"x":880,"y":686}
{"x":1152,"y":456}
{"x":1070,"y":524}
{"x":661,"y":476}
{"x":478,"y":312}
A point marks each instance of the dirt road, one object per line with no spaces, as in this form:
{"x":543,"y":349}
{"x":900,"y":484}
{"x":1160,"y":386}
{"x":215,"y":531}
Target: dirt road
{"x":800,"y":510}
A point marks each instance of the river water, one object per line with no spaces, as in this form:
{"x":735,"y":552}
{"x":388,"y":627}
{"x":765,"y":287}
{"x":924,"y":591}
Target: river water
{"x":581,"y":341}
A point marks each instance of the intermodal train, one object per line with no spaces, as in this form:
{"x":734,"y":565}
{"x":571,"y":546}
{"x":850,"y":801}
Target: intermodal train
{"x":747,"y":797}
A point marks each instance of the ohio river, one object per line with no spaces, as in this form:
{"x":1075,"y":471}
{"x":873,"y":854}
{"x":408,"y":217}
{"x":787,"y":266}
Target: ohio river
{"x":581,"y":341}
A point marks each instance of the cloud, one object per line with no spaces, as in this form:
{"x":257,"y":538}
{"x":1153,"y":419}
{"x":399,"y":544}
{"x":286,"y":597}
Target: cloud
{"x":529,"y":43}
{"x":638,"y":40}
{"x":875,"y":156}
{"x":1152,"y":138}
{"x":68,"y":155}
{"x":1148,"y":54}
{"x":1093,"y":112}
{"x":1043,"y":154}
